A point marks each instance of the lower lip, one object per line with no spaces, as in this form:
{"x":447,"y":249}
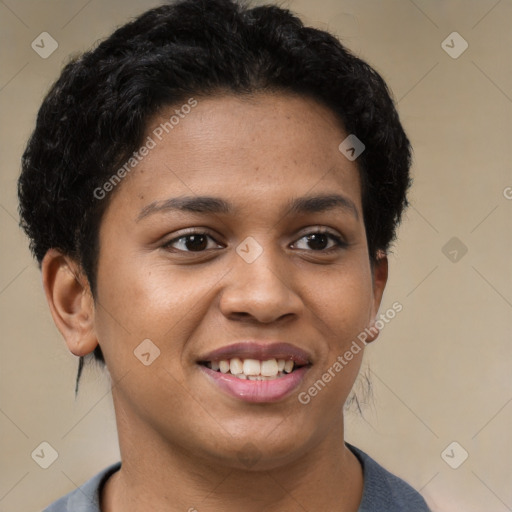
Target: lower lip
{"x":257,"y":390}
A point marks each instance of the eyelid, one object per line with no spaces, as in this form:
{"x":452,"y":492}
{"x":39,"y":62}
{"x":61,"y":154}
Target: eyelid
{"x":190,"y":232}
{"x":337,"y":238}
{"x":320,"y":229}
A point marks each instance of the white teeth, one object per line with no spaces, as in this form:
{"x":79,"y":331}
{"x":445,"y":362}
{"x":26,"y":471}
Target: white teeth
{"x":236,"y":366}
{"x":252,"y":367}
{"x":288,"y":366}
{"x":269,"y":368}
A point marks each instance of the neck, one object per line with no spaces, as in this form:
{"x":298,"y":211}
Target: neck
{"x":159,"y":477}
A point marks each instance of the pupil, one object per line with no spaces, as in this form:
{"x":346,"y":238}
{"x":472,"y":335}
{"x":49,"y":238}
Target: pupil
{"x":196,"y":242}
{"x":317,"y":238}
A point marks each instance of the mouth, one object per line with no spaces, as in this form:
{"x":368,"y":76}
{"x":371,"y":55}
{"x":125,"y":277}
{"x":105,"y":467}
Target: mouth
{"x":253,"y":369}
{"x":256,"y":372}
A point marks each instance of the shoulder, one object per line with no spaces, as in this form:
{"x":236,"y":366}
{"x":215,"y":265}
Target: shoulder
{"x":85,"y":498}
{"x":385,"y":491}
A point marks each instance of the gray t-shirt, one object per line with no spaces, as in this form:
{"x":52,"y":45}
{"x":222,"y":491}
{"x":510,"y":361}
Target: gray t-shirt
{"x":382,"y":492}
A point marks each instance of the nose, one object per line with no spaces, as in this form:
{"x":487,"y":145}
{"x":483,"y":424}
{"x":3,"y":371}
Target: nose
{"x":262,"y":291}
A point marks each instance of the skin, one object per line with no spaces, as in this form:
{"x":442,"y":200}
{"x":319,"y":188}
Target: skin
{"x":183,"y":441}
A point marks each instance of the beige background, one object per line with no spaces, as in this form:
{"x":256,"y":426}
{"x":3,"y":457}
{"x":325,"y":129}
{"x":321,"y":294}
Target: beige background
{"x":442,"y":369}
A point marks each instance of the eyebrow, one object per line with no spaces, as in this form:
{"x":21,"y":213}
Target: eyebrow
{"x":215,"y":205}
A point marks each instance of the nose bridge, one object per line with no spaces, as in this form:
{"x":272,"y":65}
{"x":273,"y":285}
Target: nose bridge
{"x":259,"y":284}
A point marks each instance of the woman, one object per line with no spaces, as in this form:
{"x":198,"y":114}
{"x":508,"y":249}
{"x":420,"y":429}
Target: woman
{"x":211,"y":194}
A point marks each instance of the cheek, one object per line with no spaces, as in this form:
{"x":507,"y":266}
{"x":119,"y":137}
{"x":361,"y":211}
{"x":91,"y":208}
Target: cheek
{"x":139,"y":299}
{"x":346,"y":303}
{"x":343,"y":301}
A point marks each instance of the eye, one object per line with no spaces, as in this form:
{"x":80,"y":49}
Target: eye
{"x":197,"y":241}
{"x":319,"y":241}
{"x":192,"y":242}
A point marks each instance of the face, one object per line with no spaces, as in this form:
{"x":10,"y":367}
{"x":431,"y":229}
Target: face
{"x":215,"y":249}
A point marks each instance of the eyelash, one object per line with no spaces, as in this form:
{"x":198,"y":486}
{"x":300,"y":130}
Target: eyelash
{"x":339,"y":243}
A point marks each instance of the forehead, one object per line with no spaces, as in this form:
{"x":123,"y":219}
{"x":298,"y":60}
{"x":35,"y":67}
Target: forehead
{"x":261,"y":148}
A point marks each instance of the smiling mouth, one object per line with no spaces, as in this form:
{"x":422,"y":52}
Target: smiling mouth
{"x":253,"y":369}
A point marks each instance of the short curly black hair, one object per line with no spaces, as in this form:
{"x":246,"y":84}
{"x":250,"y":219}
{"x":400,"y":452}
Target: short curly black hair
{"x":96,"y":113}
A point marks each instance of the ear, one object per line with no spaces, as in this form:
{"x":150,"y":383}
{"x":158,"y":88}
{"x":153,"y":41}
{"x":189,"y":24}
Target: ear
{"x":70,"y":300}
{"x":380,"y":278}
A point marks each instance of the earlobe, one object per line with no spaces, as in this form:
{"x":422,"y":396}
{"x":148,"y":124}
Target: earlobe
{"x":380,"y":278}
{"x":70,"y":301}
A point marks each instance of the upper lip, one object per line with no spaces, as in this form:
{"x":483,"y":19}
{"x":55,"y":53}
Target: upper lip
{"x":259,"y":350}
